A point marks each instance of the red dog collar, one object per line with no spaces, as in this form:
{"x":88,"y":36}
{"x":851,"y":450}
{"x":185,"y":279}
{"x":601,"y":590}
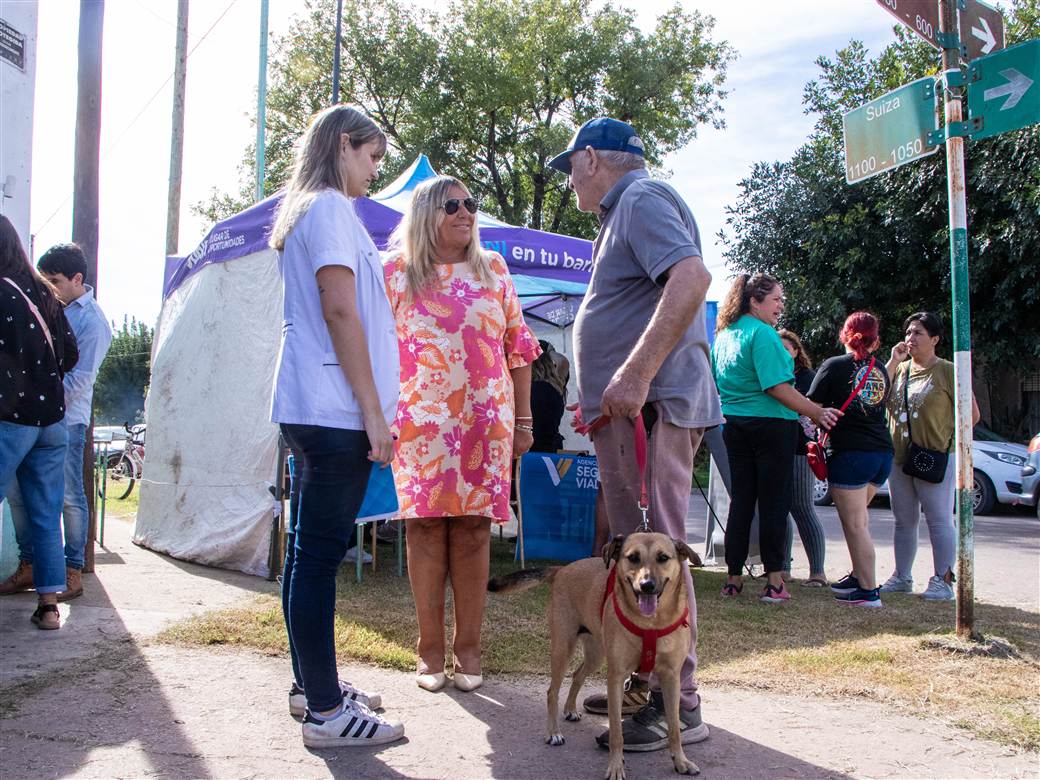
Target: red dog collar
{"x":648,"y":655}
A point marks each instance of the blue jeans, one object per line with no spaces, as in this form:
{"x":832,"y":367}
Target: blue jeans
{"x":75,"y":518}
{"x":853,"y":469}
{"x":34,"y":456}
{"x":331,"y":473}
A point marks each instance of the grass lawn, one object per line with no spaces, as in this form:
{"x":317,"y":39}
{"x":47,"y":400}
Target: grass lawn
{"x":905,"y":655}
{"x":125,"y":509}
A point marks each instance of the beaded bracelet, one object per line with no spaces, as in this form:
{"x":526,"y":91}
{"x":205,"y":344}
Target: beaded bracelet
{"x":527,"y":428}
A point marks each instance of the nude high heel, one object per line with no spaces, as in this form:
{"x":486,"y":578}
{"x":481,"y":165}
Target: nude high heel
{"x":431,"y":682}
{"x":468,"y":682}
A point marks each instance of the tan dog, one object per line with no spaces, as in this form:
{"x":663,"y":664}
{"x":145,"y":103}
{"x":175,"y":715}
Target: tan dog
{"x":649,"y":593}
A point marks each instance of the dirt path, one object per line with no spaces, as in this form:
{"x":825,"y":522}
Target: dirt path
{"x":98,"y":699}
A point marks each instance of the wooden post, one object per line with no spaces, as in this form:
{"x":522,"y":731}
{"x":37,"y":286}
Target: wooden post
{"x":85,"y":196}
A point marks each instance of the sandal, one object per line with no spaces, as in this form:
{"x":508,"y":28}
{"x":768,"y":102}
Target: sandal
{"x":729,"y":589}
{"x":46,"y":617}
{"x":814,"y":582}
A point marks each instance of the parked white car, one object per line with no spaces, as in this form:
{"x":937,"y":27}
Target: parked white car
{"x":998,"y":473}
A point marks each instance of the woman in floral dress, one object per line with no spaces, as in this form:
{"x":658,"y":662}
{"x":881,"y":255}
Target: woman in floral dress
{"x":464,"y":414}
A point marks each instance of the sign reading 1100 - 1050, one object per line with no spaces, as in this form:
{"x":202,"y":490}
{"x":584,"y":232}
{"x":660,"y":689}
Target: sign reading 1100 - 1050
{"x":890,"y":131}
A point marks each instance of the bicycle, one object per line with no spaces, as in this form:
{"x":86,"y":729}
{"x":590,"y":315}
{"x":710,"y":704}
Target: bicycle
{"x":124,"y":468}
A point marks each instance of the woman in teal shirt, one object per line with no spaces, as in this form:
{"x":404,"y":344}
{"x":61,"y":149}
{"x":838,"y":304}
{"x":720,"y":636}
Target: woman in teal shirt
{"x":755,"y":377}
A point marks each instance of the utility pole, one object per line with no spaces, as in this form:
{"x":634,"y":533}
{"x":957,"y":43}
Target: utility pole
{"x":261,"y":103}
{"x":180,"y":72}
{"x":951,"y":65}
{"x":335,"y":52}
{"x":85,"y":201}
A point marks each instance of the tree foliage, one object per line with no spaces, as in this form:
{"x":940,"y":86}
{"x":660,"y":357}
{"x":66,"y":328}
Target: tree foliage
{"x":123,"y":376}
{"x":490,"y":90}
{"x":883,"y":244}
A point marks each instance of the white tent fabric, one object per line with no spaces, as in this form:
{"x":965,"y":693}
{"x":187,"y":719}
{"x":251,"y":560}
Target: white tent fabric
{"x":212,"y":449}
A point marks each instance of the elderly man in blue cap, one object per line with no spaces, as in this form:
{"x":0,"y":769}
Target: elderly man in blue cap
{"x":641,"y":348}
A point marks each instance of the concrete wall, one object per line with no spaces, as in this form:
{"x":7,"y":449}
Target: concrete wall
{"x":17,"y":90}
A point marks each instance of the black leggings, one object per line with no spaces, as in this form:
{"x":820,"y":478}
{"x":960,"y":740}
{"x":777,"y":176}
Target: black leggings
{"x":761,"y":451}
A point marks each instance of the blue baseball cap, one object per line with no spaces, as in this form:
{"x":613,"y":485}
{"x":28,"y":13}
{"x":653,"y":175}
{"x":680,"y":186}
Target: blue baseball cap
{"x":600,"y":133}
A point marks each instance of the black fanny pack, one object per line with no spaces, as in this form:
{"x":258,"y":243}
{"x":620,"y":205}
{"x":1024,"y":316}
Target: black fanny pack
{"x":921,"y":462}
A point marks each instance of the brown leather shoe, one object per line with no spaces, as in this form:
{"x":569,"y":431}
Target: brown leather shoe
{"x":73,"y":584}
{"x":46,"y":617}
{"x":19,"y":582}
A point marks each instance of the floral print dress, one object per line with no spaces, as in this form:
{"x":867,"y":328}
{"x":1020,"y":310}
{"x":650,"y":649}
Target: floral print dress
{"x":458,"y":341}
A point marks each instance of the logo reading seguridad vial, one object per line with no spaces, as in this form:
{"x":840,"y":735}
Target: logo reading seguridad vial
{"x":557,"y":471}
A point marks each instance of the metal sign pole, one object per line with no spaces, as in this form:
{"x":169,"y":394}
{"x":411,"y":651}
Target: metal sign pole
{"x":961,"y":316}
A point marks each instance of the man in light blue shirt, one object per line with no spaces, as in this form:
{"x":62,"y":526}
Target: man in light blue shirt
{"x":65,"y":267}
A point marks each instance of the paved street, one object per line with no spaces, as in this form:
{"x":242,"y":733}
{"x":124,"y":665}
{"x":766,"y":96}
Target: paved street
{"x":1007,"y":551}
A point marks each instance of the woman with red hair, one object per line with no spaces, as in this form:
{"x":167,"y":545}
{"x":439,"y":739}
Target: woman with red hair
{"x":859,"y":447}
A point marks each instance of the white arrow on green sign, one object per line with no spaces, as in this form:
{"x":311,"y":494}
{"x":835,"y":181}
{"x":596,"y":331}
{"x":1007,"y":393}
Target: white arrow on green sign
{"x":890,"y":131}
{"x":1004,"y":90}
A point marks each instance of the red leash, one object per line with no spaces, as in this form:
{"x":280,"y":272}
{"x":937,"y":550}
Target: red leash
{"x":641,"y":455}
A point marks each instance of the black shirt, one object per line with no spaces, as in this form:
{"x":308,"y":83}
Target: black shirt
{"x":864,"y":426}
{"x":547,"y":410}
{"x":31,"y":390}
{"x":803,"y":378}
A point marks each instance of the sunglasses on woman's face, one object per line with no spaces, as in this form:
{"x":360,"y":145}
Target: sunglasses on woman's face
{"x":452,"y":205}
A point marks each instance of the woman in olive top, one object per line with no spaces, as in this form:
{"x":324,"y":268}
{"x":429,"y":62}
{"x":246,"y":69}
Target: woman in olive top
{"x":928,"y":400}
{"x":755,"y":378}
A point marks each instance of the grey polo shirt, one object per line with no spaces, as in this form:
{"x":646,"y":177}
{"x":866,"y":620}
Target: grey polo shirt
{"x":645,"y":229}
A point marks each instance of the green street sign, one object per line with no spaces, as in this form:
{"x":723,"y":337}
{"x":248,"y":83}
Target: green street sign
{"x":890,"y":131}
{"x":1004,"y":90}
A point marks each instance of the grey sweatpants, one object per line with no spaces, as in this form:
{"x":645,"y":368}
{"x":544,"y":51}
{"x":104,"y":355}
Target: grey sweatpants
{"x":803,"y":510}
{"x":909,"y":496}
{"x":669,"y":477}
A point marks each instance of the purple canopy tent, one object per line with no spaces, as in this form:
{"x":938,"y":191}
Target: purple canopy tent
{"x":215,"y":352}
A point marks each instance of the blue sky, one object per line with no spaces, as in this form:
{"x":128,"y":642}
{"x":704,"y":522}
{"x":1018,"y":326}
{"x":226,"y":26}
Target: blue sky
{"x":777,"y":43}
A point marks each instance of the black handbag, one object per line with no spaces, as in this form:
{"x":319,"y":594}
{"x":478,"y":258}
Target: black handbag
{"x":921,"y":462}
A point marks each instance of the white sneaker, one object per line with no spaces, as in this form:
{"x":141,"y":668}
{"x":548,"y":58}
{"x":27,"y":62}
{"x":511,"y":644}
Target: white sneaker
{"x":298,"y":700}
{"x":351,"y":556}
{"x":938,"y":590}
{"x":356,"y":725}
{"x":896,"y":584}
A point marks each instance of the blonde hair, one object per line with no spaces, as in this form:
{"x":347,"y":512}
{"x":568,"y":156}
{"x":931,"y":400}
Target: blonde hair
{"x":317,"y":165}
{"x":415,"y":238}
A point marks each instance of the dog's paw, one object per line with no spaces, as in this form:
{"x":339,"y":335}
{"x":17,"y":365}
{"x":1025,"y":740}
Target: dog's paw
{"x":555,"y":740}
{"x":684,"y":766}
{"x":572,"y":716}
{"x":615,"y":769}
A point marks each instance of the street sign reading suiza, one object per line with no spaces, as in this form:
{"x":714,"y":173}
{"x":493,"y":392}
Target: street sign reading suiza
{"x":1004,"y":90}
{"x":890,"y":131}
{"x":981,"y":25}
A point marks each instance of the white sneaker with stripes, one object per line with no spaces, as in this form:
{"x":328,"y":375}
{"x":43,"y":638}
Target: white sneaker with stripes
{"x":298,"y":699}
{"x":356,"y":725}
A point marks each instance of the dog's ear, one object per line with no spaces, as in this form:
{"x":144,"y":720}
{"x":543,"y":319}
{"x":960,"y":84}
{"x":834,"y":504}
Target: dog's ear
{"x":612,"y":550}
{"x":684,"y":550}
